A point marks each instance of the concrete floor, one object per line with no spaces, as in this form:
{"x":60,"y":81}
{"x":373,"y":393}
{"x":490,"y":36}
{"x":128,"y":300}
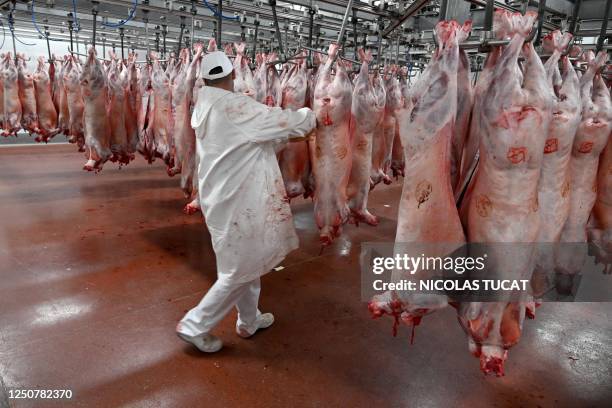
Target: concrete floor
{"x":96,"y":269}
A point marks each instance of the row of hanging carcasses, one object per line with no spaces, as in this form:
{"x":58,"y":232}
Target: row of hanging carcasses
{"x":112,"y":109}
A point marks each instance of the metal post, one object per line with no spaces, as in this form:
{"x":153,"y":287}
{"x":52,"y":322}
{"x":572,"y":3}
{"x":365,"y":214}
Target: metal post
{"x":541,"y":10}
{"x":311,"y":13}
{"x":180,"y":39}
{"x":443,"y":9}
{"x":145,"y":19}
{"x":488,"y":20}
{"x":277,"y":28}
{"x":194,"y":11}
{"x":121,"y":35}
{"x":286,"y":30}
{"x":103,"y":46}
{"x":70,"y":28}
{"x":355,"y":32}
{"x":255,"y":38}
{"x":604,"y":26}
{"x":11,"y":22}
{"x":344,"y":20}
{"x":157,"y":39}
{"x":399,"y":38}
{"x":379,"y":52}
{"x":164,"y":33}
{"x":574,"y":22}
{"x":94,"y":13}
{"x":48,"y":46}
{"x":219,"y":22}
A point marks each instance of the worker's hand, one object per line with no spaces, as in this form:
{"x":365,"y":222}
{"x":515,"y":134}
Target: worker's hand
{"x":304,"y":138}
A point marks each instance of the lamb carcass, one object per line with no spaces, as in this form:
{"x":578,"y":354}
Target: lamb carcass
{"x":465,"y":101}
{"x":132,"y":101}
{"x":162,"y":117}
{"x":554,"y":184}
{"x":330,"y":150}
{"x":601,"y":235}
{"x":72,"y":102}
{"x":379,"y":148}
{"x":427,"y":211}
{"x":397,"y":151}
{"x":27,"y":96}
{"x":12,"y":102}
{"x":184,"y":134}
{"x":367,"y":109}
{"x":244,"y":82}
{"x":146,"y":112}
{"x":591,"y":139}
{"x":96,"y":123}
{"x":513,"y":119}
{"x":267,"y":81}
{"x":293,"y":159}
{"x":60,"y":99}
{"x":395,"y":101}
{"x":117,"y":90}
{"x":47,"y":115}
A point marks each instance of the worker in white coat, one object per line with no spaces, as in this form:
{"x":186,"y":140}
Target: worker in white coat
{"x":243,"y":199}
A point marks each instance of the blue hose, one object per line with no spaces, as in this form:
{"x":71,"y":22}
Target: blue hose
{"x":216,"y":13}
{"x":123,"y":22}
{"x":18,"y":40}
{"x":13,"y":32}
{"x":45,"y":36}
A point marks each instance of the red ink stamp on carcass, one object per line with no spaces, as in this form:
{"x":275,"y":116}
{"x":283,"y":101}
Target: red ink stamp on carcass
{"x":423,"y":191}
{"x":565,"y":189}
{"x":517,"y":155}
{"x":551,"y":145}
{"x":483,"y":206}
{"x":585,"y":147}
{"x":341,"y":152}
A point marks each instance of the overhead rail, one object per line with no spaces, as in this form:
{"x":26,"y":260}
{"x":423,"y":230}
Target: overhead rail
{"x":409,"y":12}
{"x":129,"y":18}
{"x":219,"y":12}
{"x":498,"y":4}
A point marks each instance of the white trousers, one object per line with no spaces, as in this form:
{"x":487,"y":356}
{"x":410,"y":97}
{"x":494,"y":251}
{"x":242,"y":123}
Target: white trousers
{"x":217,"y":303}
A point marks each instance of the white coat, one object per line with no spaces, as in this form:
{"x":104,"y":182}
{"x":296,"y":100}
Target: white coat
{"x":239,"y":182}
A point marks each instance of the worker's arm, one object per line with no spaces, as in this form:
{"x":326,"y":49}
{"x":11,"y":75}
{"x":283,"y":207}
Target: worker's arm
{"x":276,"y":124}
{"x":304,"y":138}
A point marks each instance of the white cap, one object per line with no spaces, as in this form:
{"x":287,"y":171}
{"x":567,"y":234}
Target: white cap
{"x":213,"y":60}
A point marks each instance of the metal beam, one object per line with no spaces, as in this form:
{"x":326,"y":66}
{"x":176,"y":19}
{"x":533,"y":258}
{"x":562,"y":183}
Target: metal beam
{"x":547,"y":25}
{"x":410,"y":11}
